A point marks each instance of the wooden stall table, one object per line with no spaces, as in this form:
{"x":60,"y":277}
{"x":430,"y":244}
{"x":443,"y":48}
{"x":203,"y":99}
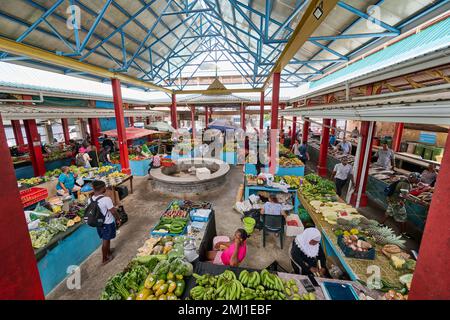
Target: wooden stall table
{"x":357,"y":269}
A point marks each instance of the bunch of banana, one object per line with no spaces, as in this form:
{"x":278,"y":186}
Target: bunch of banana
{"x":251,"y":280}
{"x":271,"y":281}
{"x":291,"y":287}
{"x":260,"y":293}
{"x":230,"y":290}
{"x":197,"y":293}
{"x":210,"y":294}
{"x":227,"y":276}
{"x":205,"y":280}
{"x":275,"y":295}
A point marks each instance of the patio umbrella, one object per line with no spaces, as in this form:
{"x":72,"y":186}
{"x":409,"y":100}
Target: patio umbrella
{"x":223,"y":125}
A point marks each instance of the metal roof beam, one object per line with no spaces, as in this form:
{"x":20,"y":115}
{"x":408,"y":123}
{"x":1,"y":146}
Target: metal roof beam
{"x":53,"y":59}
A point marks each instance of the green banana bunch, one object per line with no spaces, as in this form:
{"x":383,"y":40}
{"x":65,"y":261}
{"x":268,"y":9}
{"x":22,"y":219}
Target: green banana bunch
{"x":260,"y":293}
{"x":248,"y":294}
{"x":230,"y":289}
{"x":244,"y":277}
{"x":271,"y":281}
{"x":205,"y":280}
{"x":197,"y":293}
{"x":210,"y":294}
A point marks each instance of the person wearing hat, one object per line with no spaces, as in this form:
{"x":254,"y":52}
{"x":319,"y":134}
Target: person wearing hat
{"x":396,"y":204}
{"x":386,"y":157}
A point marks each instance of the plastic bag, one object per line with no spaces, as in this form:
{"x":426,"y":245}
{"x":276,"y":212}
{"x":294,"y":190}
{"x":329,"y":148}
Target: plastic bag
{"x":80,"y":181}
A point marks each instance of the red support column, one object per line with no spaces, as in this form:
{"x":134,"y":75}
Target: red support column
{"x":323,"y":154}
{"x":397,"y":136}
{"x":17,"y":132}
{"x":306,"y":124}
{"x":94,"y":128}
{"x":193,"y":121}
{"x":206,"y":117}
{"x":243,"y":126}
{"x":365,"y":126}
{"x":173,"y":112}
{"x":19,"y":275}
{"x":261,"y":111}
{"x":34,"y":144}
{"x":120,"y":123}
{"x":294,"y":127}
{"x":282,"y":107}
{"x":274,"y":121}
{"x":65,"y":127}
{"x":431,"y":279}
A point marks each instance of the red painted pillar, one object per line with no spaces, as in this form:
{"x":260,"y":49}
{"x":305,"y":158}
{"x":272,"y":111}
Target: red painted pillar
{"x":173,"y":112}
{"x":431,"y":279}
{"x":294,"y":127}
{"x":261,"y":111}
{"x":120,"y":123}
{"x":365,"y":125}
{"x":323,"y":154}
{"x":210,"y":113}
{"x":193,"y":121}
{"x":333,"y":124}
{"x":243,"y":126}
{"x":34,"y":144}
{"x":274,"y":121}
{"x":282,"y":107}
{"x":94,"y":128}
{"x":206,"y":117}
{"x":306,"y":124}
{"x":19,"y":275}
{"x":398,"y":136}
{"x":17,"y":132}
{"x":65,"y":127}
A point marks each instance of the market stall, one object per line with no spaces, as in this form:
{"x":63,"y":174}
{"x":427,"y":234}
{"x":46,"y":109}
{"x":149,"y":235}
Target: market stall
{"x":378,"y":180}
{"x":357,"y":242}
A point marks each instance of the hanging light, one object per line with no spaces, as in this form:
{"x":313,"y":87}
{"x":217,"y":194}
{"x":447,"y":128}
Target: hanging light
{"x":318,"y":12}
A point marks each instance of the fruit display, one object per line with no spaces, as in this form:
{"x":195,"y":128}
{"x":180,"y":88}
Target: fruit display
{"x":247,"y":286}
{"x":290,"y":162}
{"x":149,"y":278}
{"x":31,"y":182}
{"x":318,"y":188}
{"x":355,"y":243}
{"x":117,"y":174}
{"x":294,"y":182}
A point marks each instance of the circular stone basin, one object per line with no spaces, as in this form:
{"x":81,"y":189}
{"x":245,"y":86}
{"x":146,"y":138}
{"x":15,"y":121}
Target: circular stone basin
{"x":181,"y":180}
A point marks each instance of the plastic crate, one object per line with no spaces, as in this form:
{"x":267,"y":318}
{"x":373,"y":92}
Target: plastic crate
{"x":198,"y":218}
{"x":32,"y":196}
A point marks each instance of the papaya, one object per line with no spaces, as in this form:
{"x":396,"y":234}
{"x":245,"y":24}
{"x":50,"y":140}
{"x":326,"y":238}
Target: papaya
{"x":143,"y":294}
{"x":150,"y":281}
{"x":180,"y":287}
{"x":157,"y":285}
{"x":162,"y":297}
{"x":172,"y":286}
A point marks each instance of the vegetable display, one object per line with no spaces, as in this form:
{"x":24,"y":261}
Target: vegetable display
{"x":290,"y":162}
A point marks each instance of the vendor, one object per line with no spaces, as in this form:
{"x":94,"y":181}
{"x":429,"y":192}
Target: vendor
{"x":345,"y":146}
{"x":306,"y":253}
{"x":105,"y":156}
{"x":429,"y":175}
{"x":355,"y":133}
{"x":66,"y":183}
{"x":272,"y":207}
{"x":107,"y":142}
{"x":386,"y":157}
{"x":229,"y":253}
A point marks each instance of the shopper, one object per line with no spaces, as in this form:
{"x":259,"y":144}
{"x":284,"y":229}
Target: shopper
{"x":108,"y":231}
{"x":295,"y":149}
{"x":429,"y":175}
{"x":306,"y":253}
{"x":304,"y":154}
{"x":272,"y":207}
{"x":342,"y":172}
{"x":82,"y":159}
{"x":345,"y":146}
{"x":332,"y":140}
{"x":386,"y":157}
{"x":396,"y":204}
{"x":355,"y":133}
{"x":107,"y":142}
{"x":66,"y":183}
{"x":105,"y":156}
{"x":229,"y":253}
{"x":93,"y":154}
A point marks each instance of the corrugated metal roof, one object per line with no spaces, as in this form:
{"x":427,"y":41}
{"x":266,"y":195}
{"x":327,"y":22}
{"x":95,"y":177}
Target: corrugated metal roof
{"x":429,"y":40}
{"x":145,"y":39}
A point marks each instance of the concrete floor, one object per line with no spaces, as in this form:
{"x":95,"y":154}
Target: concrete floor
{"x":144,"y":208}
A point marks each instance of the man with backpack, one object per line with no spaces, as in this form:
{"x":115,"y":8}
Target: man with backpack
{"x":102,"y":214}
{"x":396,"y":204}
